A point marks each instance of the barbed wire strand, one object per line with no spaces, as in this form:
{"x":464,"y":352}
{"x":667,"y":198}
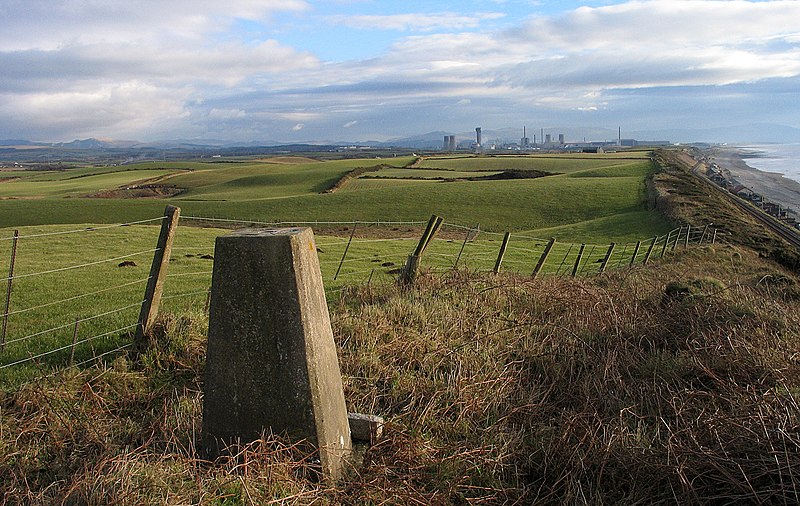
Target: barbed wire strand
{"x":88,"y":264}
{"x":79,"y":296}
{"x":316,"y":222}
{"x":66,"y":347}
{"x":72,"y":323}
{"x":97,"y":357}
{"x":185,"y":274}
{"x":178,"y":296}
{"x":87,"y":229}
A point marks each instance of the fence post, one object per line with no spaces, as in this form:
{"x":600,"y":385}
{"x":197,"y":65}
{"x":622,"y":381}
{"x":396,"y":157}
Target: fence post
{"x":635,"y":252}
{"x":502,"y":253}
{"x":688,"y":232}
{"x":344,"y":255}
{"x":666,"y":243}
{"x":544,"y":256}
{"x":714,"y":238}
{"x":463,"y":245}
{"x":650,"y":250}
{"x":409,"y":273}
{"x":677,"y":238}
{"x":158,"y":274}
{"x":607,"y":257}
{"x":8,"y":288}
{"x":74,"y":342}
{"x":578,"y":260}
{"x":705,"y":230}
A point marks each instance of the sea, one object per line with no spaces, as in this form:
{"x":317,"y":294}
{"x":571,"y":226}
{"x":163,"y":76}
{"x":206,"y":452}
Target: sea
{"x":781,"y":158}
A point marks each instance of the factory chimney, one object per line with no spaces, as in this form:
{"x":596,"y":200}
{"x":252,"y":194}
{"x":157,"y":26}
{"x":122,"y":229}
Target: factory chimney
{"x":478,"y":135}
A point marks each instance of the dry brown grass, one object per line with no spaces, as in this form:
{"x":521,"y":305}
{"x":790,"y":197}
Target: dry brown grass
{"x":496,"y":390}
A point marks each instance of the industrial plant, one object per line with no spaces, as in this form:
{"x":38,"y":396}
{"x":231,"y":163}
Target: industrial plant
{"x":545,"y":141}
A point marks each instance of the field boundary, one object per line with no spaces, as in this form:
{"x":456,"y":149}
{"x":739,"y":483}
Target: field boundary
{"x":80,"y":328}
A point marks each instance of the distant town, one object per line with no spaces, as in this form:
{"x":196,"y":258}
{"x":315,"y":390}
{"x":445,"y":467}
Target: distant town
{"x":545,"y":141}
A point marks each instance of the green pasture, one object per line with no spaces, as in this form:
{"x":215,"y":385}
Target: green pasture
{"x":427,"y":173}
{"x":560,"y":164}
{"x":598,"y":198}
{"x":65,"y":273}
{"x":76,"y":186}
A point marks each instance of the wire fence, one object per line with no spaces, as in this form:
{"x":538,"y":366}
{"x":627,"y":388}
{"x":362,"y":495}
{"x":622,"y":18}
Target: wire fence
{"x":73,"y":296}
{"x":70,"y":294}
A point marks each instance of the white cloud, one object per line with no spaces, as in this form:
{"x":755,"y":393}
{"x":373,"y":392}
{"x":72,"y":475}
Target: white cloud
{"x":43,"y":24}
{"x":118,"y":69}
{"x":416,"y":22}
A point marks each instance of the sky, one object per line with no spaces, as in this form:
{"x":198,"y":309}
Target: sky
{"x":336,"y":70}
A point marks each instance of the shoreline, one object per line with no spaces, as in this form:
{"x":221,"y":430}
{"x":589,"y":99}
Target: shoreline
{"x":773,"y":186}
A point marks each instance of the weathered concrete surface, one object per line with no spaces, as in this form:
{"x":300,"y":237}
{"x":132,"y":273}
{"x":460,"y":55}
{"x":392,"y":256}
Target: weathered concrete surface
{"x":365,"y":427}
{"x":272,"y":364}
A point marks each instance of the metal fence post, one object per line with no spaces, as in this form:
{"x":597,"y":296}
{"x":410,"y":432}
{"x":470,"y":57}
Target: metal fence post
{"x":8,"y":289}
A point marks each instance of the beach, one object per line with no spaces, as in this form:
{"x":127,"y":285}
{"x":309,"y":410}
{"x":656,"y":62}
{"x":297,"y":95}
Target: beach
{"x":773,"y":186}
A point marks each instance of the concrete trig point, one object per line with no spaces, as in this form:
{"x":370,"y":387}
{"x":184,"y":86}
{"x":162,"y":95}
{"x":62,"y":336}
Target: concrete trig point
{"x":272,"y":364}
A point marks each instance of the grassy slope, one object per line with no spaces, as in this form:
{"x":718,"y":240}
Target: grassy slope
{"x":496,"y":390}
{"x":675,"y":383}
{"x":605,"y":188}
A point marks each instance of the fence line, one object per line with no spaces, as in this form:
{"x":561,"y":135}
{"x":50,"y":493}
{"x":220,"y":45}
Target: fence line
{"x":285,"y":223}
{"x":89,"y":229}
{"x":88,"y":264}
{"x":467,"y":250}
{"x":70,"y":324}
{"x":70,"y":299}
{"x":67,"y":347}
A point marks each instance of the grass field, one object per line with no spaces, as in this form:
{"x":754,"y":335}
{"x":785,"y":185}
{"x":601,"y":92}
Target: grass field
{"x":65,"y":273}
{"x":599,"y":197}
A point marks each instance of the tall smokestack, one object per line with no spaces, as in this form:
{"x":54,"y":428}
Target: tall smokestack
{"x":478,"y":135}
{"x":619,"y":136}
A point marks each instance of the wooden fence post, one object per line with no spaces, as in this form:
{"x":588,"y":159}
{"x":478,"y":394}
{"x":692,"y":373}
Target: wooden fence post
{"x":635,"y":252}
{"x":8,"y":289}
{"x":344,"y":255}
{"x":578,"y":260}
{"x":650,"y":250}
{"x":705,"y":230}
{"x":502,"y":253}
{"x":666,"y":243}
{"x":607,"y":257}
{"x":677,"y":238}
{"x":688,"y":233}
{"x":409,"y":273}
{"x":544,"y":256}
{"x":714,"y":237}
{"x":158,"y":274}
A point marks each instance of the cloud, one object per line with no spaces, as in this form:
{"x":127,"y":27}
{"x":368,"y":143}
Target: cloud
{"x":121,"y":70}
{"x":416,"y":22}
{"x":43,"y":24}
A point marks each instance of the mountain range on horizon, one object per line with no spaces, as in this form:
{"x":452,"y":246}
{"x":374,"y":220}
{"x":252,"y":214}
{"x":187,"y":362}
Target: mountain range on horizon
{"x":742,"y":134}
